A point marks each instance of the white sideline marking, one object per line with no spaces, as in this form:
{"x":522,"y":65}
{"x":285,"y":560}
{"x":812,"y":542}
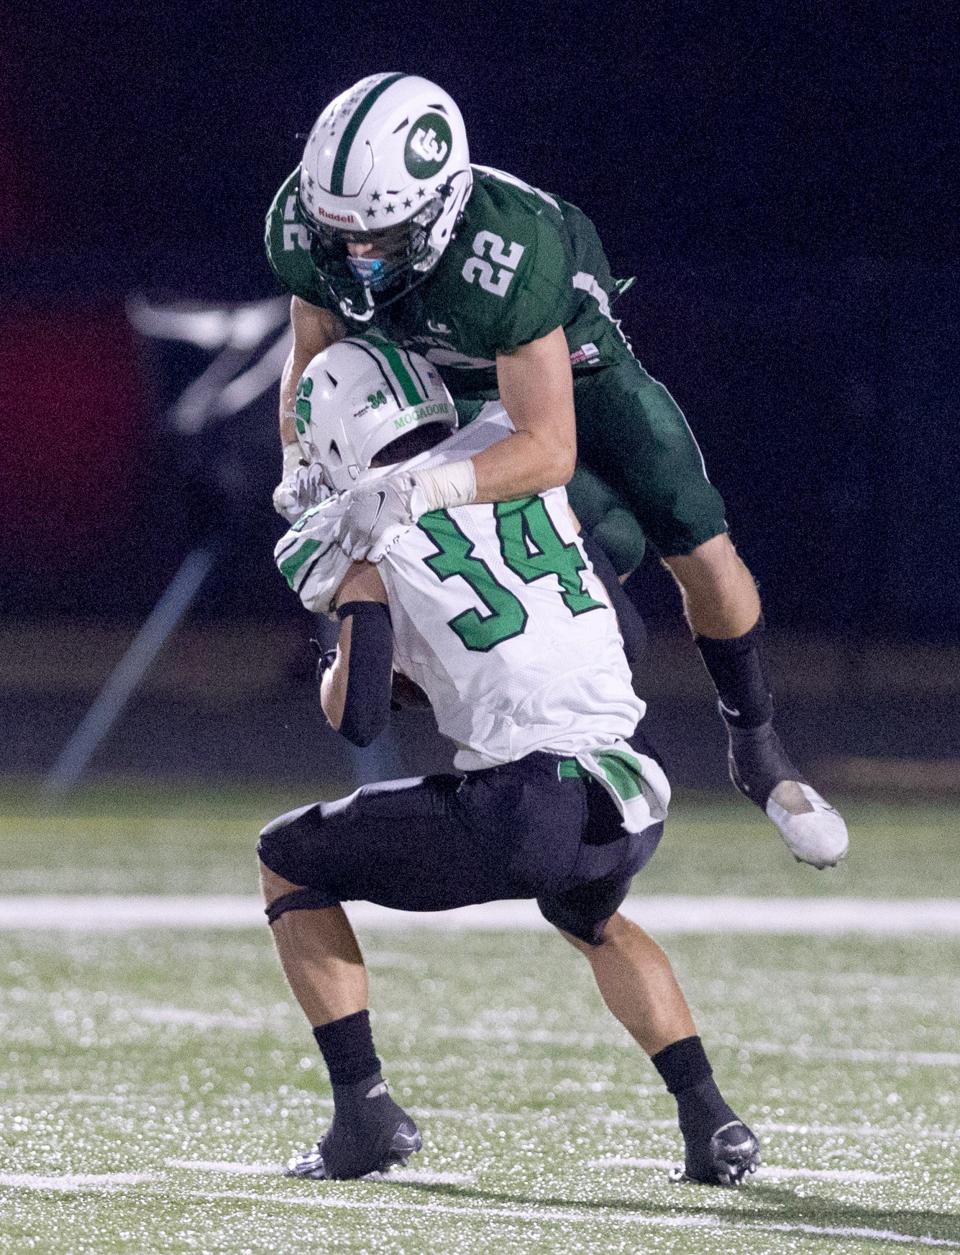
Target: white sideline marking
{"x":585,"y":1041}
{"x":766,"y":1172}
{"x":420,"y":1176}
{"x":856,"y":1054}
{"x":563,"y":1216}
{"x":414,"y":1176}
{"x":664,"y":914}
{"x":68,"y":1183}
{"x":188,"y":1018}
{"x":861,"y":1131}
{"x":228,"y":1169}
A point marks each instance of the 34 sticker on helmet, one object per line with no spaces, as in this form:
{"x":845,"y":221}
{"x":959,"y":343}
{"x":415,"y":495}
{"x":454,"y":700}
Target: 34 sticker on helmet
{"x":360,"y":395}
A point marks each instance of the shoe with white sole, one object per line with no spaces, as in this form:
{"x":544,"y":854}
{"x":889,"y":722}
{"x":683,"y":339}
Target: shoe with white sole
{"x":732,"y":1152}
{"x":369,"y":1133}
{"x":813,"y":831}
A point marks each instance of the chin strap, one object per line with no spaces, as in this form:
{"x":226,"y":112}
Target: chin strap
{"x":347,"y":307}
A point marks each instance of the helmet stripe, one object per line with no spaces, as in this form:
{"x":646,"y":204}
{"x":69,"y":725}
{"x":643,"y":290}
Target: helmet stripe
{"x":395,"y":362}
{"x":411,"y":366}
{"x":349,"y":134}
{"x":379,"y":365}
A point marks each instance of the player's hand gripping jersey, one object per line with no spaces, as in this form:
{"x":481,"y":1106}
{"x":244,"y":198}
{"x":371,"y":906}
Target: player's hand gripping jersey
{"x":522,"y":262}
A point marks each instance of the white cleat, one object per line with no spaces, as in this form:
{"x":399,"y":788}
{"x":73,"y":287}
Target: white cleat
{"x":813,"y":831}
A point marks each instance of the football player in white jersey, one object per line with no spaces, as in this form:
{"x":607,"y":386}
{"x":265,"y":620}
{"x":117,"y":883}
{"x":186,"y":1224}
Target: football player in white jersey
{"x":387,"y":225}
{"x":496,"y":613}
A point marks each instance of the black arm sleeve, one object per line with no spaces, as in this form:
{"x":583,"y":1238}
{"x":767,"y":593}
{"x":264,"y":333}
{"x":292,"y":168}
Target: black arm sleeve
{"x":366,"y":707}
{"x":628,"y":616}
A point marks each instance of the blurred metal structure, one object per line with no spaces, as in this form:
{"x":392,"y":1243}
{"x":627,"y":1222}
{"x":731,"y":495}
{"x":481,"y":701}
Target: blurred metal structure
{"x":110,"y":702}
{"x":248,"y":345}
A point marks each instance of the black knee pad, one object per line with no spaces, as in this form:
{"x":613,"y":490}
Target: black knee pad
{"x":590,"y":934}
{"x":285,"y":844}
{"x":299,"y":900}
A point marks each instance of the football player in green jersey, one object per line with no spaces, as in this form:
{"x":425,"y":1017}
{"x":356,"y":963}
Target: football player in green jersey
{"x":385,"y":226}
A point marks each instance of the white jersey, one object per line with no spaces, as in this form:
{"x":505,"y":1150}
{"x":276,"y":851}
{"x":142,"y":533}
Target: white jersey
{"x":499,"y":617}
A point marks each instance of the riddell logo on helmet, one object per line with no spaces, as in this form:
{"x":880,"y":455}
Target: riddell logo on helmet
{"x":326,"y":213}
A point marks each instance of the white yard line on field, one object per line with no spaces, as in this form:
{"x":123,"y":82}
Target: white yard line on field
{"x":187,"y":1017}
{"x":855,"y":1054}
{"x":663,"y":914}
{"x":560,"y":1215}
{"x":413,"y":1176}
{"x":226,"y":1168}
{"x":768,"y":1172}
{"x":800,"y":1050}
{"x":68,"y":1183}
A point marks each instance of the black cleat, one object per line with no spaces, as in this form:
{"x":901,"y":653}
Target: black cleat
{"x":732,"y":1152}
{"x":811,"y":828}
{"x":369,"y":1133}
{"x":757,"y":762}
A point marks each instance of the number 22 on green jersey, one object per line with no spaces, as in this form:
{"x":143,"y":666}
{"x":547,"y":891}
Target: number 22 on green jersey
{"x":493,"y":275}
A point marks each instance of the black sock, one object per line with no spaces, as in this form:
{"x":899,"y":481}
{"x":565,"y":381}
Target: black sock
{"x":347,"y":1048}
{"x":687,"y":1074}
{"x":737,"y":670}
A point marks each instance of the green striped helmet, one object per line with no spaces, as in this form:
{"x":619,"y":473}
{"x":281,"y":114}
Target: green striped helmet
{"x":390,"y":156}
{"x":360,"y":395}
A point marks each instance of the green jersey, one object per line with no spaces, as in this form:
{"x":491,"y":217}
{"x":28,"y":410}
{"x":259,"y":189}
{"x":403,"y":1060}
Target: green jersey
{"x":522,"y":263}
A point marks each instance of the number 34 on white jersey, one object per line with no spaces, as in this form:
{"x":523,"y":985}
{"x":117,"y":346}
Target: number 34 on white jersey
{"x":499,"y":617}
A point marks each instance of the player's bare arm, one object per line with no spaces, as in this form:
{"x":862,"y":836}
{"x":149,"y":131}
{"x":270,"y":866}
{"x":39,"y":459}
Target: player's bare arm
{"x":356,"y":702}
{"x":314,"y":329}
{"x":536,"y":388}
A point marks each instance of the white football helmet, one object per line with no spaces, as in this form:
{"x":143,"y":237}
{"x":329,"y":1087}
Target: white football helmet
{"x":388,"y":158}
{"x":360,"y":395}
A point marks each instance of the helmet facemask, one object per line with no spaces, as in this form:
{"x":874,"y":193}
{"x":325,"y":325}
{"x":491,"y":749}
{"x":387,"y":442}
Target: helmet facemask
{"x":390,"y":152}
{"x":359,"y":282}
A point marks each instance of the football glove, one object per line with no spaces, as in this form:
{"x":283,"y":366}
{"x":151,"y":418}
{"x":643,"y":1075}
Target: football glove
{"x":299,"y":490}
{"x":309,"y":557}
{"x":378,"y":514}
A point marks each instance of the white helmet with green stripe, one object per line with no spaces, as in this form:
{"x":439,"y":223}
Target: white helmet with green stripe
{"x":359,"y":396}
{"x":386,"y":161}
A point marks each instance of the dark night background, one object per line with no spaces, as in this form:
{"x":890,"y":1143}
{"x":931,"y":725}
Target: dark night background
{"x":781,"y":181}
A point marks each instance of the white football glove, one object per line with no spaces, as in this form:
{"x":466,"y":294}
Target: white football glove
{"x":378,"y":514}
{"x":299,"y":490}
{"x":310,"y":558}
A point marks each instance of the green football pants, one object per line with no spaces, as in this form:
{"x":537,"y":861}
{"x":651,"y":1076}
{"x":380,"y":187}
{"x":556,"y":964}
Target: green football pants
{"x":640,"y":473}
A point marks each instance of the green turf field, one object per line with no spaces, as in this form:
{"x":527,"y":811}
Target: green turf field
{"x":154,"y":1081}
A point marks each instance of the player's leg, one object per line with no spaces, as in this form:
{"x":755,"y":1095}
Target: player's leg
{"x":318,"y":952}
{"x":631,"y":432}
{"x":324,"y":967}
{"x":426,"y":844}
{"x":613,"y":541}
{"x":374,"y":845}
{"x":639,"y":987}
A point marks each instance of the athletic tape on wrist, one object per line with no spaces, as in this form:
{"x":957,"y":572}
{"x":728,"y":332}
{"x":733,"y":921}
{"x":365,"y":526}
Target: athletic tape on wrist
{"x":447,"y":486}
{"x":292,"y":458}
